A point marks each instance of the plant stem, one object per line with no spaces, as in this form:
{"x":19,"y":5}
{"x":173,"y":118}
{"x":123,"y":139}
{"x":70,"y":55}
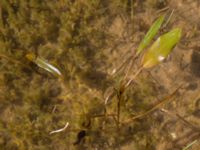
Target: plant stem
{"x":133,"y":77}
{"x":153,"y":108}
{"x":13,"y":60}
{"x":119,"y":96}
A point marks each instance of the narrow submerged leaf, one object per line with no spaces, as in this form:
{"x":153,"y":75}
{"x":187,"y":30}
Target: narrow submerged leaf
{"x":161,"y":48}
{"x":43,"y":64}
{"x":150,"y":34}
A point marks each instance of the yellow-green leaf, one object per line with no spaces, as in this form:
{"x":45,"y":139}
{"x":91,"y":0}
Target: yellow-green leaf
{"x":43,"y":64}
{"x":161,"y":48}
{"x":150,"y":34}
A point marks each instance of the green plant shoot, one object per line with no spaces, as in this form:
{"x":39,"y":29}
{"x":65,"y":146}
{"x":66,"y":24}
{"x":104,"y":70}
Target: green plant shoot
{"x":43,"y":64}
{"x":150,"y":34}
{"x":161,"y":48}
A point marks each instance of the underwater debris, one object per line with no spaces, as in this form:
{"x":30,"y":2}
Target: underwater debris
{"x":60,"y":130}
{"x":80,"y":137}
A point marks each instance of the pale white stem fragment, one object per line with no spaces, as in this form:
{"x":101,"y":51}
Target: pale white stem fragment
{"x":60,"y":130}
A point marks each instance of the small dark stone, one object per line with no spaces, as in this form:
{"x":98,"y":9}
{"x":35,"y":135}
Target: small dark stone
{"x":192,"y":86}
{"x":197,"y":104}
{"x":196,"y":113}
{"x":55,"y":92}
{"x":80,"y":137}
{"x":195,"y":63}
{"x":161,"y":4}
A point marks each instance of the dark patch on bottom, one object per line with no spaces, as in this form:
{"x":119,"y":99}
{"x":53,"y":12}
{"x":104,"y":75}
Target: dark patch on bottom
{"x":195,"y":63}
{"x":80,"y":137}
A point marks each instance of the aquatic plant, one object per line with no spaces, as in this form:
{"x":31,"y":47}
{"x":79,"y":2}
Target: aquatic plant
{"x":53,"y":78}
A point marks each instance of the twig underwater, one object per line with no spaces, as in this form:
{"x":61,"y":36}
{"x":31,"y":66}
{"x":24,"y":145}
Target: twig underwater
{"x":60,"y":130}
{"x":157,"y":106}
{"x":190,"y":145}
{"x":14,"y":60}
{"x":193,"y":127}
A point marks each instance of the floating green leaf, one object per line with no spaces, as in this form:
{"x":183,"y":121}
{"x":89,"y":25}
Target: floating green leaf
{"x":43,"y":64}
{"x":161,"y":48}
{"x":150,"y":34}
